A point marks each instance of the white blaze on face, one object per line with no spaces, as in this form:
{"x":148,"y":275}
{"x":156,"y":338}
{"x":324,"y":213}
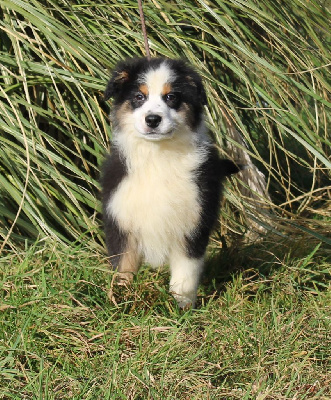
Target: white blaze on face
{"x":155,"y":84}
{"x":156,"y":79}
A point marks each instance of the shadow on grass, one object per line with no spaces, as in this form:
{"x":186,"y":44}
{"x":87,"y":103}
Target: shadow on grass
{"x":265,"y":259}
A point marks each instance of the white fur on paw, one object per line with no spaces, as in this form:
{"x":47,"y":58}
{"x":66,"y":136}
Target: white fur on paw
{"x":184,"y":302}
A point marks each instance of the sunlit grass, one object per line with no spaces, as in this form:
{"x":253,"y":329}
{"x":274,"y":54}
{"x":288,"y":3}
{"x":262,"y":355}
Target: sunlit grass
{"x":259,"y":332}
{"x":265,"y":67}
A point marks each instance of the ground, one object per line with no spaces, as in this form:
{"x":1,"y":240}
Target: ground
{"x":261,"y":330}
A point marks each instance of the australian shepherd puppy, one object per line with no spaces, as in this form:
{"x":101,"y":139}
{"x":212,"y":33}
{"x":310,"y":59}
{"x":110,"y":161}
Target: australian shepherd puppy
{"x":162,"y":182}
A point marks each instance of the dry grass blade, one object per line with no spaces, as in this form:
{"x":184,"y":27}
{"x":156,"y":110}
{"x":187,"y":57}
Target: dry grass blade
{"x":265,"y":66}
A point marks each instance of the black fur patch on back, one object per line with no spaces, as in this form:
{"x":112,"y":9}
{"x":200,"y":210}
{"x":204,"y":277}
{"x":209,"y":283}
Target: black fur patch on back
{"x":113,"y":171}
{"x":209,"y":179}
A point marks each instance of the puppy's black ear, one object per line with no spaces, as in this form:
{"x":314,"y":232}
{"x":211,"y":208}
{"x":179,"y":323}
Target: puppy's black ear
{"x":117,"y":80}
{"x":195,"y":80}
{"x":202,"y":94}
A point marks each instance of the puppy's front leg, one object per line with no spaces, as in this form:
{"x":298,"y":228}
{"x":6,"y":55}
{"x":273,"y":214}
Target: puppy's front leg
{"x":185,"y":277}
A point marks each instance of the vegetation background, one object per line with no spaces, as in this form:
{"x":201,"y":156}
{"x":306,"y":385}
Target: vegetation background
{"x":261,"y":328}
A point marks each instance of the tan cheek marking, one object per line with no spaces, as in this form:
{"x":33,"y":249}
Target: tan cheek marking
{"x":166,"y":89}
{"x":187,"y":113}
{"x":121,"y":114}
{"x":144,"y":89}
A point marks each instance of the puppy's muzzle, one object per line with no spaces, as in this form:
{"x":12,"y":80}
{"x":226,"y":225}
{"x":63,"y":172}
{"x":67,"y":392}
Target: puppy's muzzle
{"x":153,"y":120}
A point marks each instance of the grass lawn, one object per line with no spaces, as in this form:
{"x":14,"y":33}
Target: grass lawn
{"x":261,"y":330}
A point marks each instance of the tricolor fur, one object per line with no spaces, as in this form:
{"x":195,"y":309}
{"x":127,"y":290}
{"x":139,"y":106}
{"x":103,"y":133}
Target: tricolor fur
{"x":162,"y":181}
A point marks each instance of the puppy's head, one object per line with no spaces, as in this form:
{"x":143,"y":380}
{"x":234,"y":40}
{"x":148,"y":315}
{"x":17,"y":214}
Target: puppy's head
{"x":155,"y":99}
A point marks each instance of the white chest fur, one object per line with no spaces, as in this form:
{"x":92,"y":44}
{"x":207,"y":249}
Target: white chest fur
{"x":158,"y":201}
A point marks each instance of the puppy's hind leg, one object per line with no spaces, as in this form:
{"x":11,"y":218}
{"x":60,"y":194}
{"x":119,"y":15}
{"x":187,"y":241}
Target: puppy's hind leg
{"x":126,"y":266}
{"x":129,"y":261}
{"x":185,"y":277}
{"x":122,"y":250}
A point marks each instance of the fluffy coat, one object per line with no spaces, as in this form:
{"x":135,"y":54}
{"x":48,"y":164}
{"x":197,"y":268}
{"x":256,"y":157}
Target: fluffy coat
{"x":162,"y":182}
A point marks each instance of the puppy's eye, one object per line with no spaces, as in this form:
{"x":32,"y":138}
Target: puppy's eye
{"x":171,"y":97}
{"x":139,"y":97}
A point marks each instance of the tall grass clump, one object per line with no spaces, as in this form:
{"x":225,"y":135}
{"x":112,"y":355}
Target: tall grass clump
{"x":265,"y":65}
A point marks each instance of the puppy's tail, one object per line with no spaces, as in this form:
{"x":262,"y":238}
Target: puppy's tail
{"x":228,"y":167}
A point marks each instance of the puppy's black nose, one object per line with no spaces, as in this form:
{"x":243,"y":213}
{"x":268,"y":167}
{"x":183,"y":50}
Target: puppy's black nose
{"x":153,"y":120}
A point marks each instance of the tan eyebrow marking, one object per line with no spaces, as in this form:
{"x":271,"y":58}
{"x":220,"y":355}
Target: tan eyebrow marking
{"x":166,"y":89}
{"x":144,"y":89}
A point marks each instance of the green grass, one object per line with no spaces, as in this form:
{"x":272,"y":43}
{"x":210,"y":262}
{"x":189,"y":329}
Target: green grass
{"x":261,"y":330}
{"x":265,"y":66}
